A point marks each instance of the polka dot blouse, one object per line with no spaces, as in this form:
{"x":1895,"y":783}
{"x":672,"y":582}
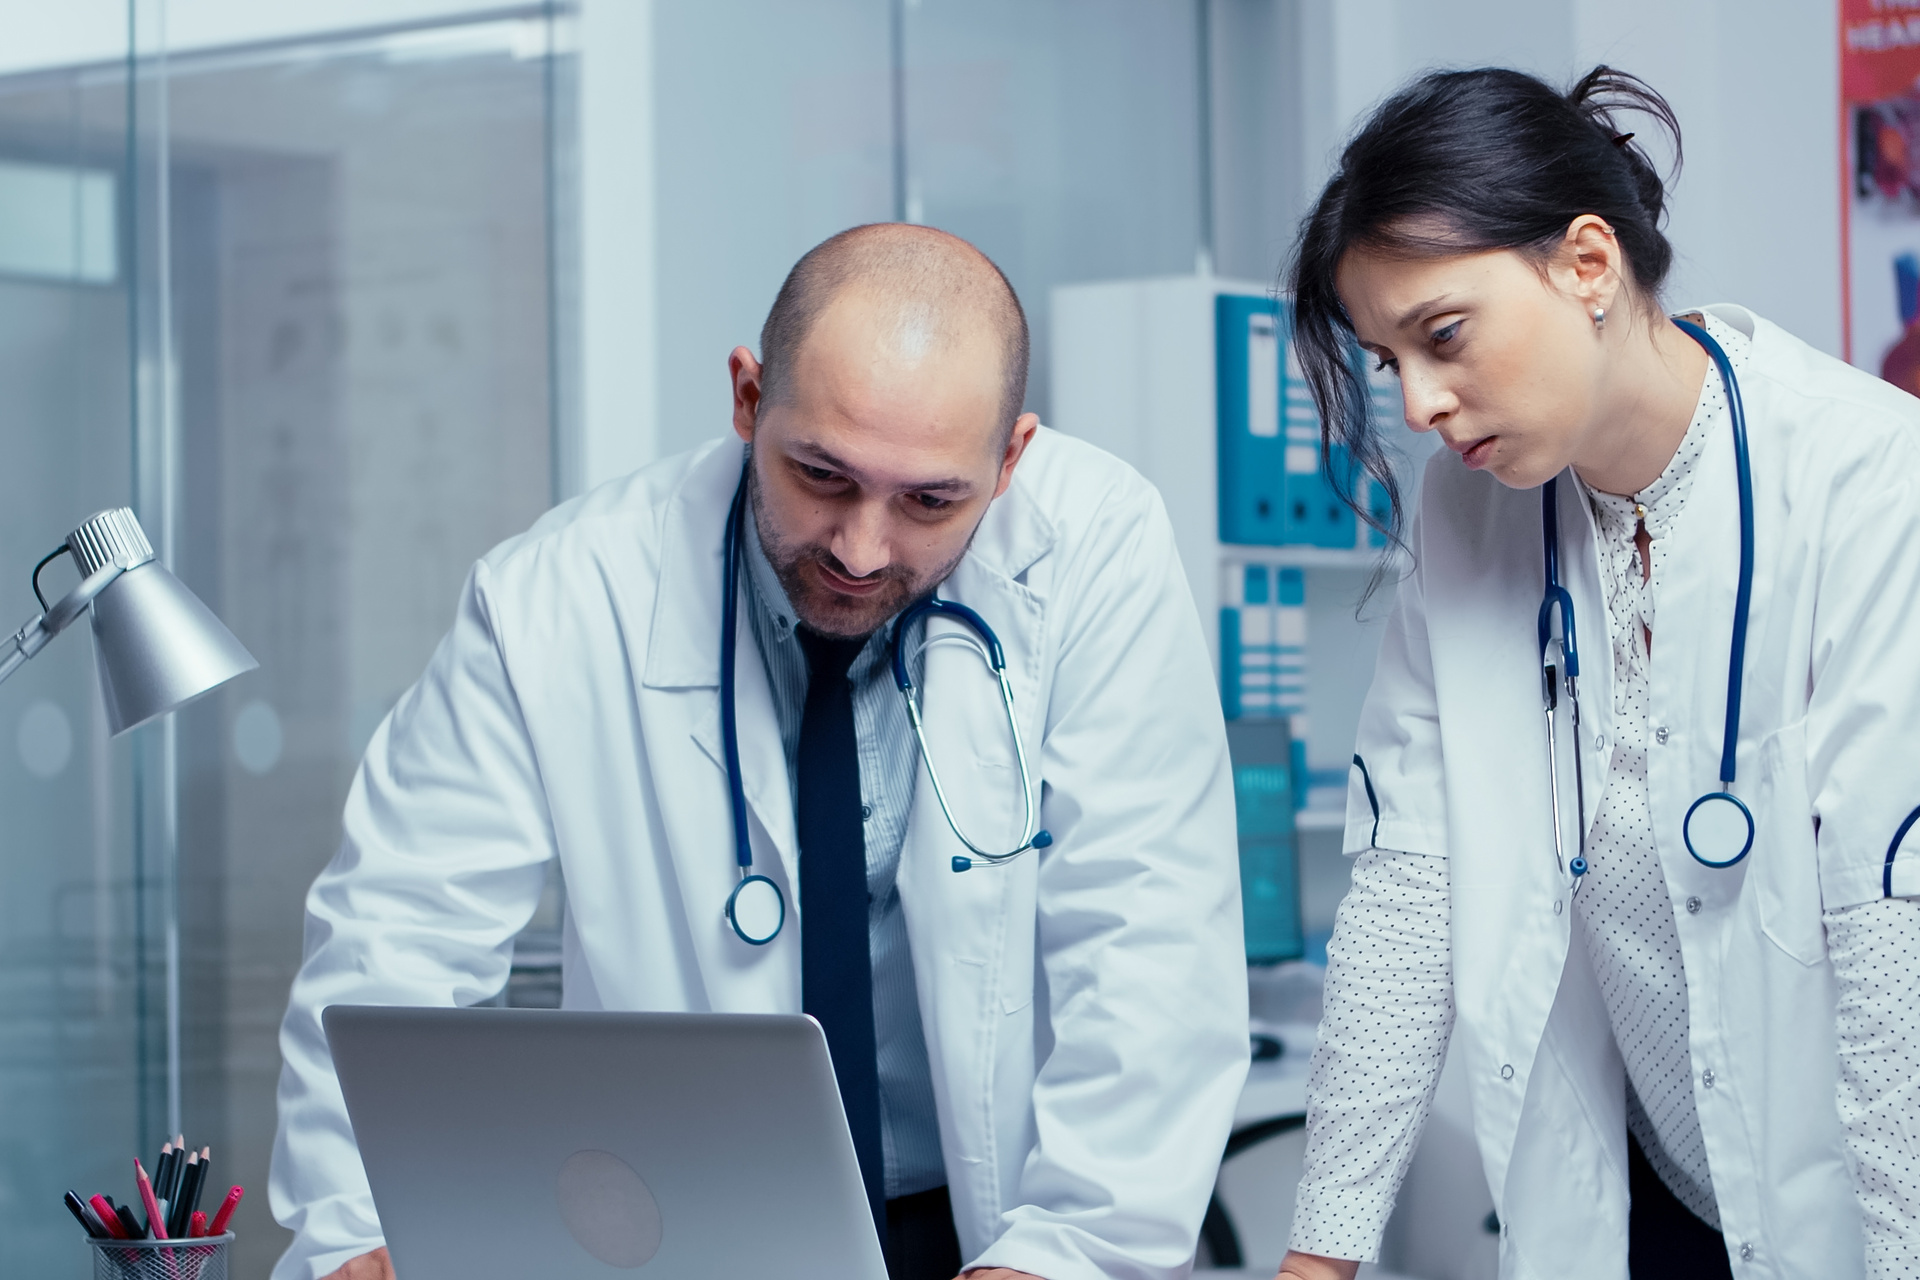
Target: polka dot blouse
{"x":1389,"y":999}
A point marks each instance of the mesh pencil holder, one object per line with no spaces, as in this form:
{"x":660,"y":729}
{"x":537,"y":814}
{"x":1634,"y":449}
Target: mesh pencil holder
{"x":201,"y":1259}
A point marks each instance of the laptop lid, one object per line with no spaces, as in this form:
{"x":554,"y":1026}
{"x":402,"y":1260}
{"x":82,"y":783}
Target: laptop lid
{"x":515,"y":1142}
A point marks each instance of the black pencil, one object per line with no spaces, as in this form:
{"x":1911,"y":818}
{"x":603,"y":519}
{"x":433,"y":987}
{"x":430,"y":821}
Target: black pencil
{"x":189,"y":1183}
{"x":206,"y":1174}
{"x":132,"y":1224}
{"x":179,"y":1166}
{"x":162,"y":1168}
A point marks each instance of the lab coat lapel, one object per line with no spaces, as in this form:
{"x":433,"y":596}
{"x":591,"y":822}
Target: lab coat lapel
{"x":681,"y":683}
{"x":971,"y":968}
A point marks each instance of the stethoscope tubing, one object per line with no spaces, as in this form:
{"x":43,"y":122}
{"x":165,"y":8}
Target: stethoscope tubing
{"x":1743,"y":597}
{"x":729,"y":628}
{"x":987,"y":644}
{"x":1556,"y":597}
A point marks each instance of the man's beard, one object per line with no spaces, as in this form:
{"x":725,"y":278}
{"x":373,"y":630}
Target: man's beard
{"x":820,"y":607}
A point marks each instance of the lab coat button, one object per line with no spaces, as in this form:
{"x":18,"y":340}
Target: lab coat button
{"x":1660,"y":735}
{"x":1746,"y":1253}
{"x":866,"y":812}
{"x":1693,"y":906}
{"x":1706,"y":1077}
{"x":1506,"y":1071}
{"x":1600,"y":742}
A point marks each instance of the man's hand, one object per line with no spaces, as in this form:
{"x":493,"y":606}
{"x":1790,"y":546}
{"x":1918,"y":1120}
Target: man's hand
{"x":1310,"y":1266}
{"x":368,"y":1266}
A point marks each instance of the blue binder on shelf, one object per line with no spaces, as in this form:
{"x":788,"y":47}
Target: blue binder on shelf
{"x":1253,"y":447}
{"x":1274,"y":487}
{"x":1263,"y":642}
{"x":1315,"y":515}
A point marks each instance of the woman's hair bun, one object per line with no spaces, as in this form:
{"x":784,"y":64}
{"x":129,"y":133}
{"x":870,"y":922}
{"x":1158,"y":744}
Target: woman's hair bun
{"x":1601,"y":96}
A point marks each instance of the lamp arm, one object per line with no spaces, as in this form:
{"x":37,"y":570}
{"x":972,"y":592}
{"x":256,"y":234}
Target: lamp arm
{"x":33,"y":637}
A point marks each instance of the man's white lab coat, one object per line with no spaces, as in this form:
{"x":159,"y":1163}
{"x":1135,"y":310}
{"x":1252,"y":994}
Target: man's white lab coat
{"x":1084,"y":1007}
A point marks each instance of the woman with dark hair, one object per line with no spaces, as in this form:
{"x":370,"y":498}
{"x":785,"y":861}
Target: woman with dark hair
{"x":1661,"y":905}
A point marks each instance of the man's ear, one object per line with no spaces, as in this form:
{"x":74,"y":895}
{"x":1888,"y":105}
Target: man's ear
{"x":746,"y":373}
{"x":1024,"y":428}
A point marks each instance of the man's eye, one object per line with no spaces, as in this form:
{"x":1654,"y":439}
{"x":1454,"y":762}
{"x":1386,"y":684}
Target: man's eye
{"x":932,"y":502}
{"x":1447,"y":334}
{"x":815,"y":473}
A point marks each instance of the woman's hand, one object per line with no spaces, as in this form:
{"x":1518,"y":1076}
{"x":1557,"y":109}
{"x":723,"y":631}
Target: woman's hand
{"x":1308,"y":1266}
{"x":368,"y":1266}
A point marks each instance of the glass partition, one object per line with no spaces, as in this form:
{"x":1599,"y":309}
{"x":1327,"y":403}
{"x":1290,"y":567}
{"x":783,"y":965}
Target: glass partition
{"x":80,"y":1032}
{"x":292,"y":301}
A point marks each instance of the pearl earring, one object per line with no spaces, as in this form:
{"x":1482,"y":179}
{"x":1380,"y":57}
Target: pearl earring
{"x":1599,"y":317}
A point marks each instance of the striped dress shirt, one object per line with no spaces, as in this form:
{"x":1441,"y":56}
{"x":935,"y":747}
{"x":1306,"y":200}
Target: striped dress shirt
{"x":889,"y":760}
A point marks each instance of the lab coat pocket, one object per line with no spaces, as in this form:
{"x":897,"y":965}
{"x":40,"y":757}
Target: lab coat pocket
{"x":1784,"y":876}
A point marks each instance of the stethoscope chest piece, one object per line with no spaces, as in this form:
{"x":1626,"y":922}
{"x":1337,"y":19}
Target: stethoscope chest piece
{"x":1718,"y":829}
{"x":756,"y":910}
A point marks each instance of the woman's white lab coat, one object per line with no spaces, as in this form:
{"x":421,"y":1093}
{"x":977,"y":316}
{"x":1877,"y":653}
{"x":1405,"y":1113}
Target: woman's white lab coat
{"x":1084,"y":1008}
{"x":1454,"y":744}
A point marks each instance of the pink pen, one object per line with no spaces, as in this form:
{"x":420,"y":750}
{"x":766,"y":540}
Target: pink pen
{"x":219,"y":1224}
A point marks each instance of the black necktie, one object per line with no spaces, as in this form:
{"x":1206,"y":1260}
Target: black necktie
{"x":836,"y":967}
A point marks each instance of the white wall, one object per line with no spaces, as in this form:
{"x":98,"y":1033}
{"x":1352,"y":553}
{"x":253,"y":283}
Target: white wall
{"x":1755,"y":216}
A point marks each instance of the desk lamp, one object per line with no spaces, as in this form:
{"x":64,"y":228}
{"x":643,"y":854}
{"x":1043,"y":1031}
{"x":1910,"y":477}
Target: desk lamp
{"x":155,"y":646}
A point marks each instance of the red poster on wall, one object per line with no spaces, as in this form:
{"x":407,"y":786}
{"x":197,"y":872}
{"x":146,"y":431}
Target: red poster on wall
{"x":1880,"y":222}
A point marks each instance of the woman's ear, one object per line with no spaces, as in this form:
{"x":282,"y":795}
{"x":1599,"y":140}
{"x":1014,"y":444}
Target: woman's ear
{"x":1588,"y":267}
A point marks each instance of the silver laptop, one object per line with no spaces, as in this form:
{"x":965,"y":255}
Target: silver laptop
{"x":533,"y":1142}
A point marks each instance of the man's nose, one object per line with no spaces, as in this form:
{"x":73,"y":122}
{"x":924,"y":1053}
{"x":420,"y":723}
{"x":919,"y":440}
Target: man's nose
{"x":860,"y":543}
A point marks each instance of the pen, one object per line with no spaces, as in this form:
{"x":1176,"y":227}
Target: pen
{"x":196,"y":1225}
{"x":156,"y":1221}
{"x":81,"y":1214}
{"x":219,"y":1224}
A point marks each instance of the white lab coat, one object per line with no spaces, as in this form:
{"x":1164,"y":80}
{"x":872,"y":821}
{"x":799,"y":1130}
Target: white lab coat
{"x":1454,"y":743}
{"x":1084,"y":1008}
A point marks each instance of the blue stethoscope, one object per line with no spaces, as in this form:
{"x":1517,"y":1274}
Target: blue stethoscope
{"x":756,"y":908}
{"x":1718,"y":828}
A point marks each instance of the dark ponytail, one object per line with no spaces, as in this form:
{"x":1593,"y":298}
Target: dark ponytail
{"x":1463,"y":162}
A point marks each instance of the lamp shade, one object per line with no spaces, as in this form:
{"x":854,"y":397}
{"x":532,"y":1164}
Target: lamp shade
{"x":157,"y":647}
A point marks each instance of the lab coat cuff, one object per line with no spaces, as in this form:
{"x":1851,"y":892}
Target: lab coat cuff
{"x":1396,"y":834}
{"x":312,"y":1266}
{"x":1849,"y":886}
{"x":1040,"y":1249}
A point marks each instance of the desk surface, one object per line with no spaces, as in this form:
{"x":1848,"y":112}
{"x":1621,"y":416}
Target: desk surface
{"x":1279,"y":1087}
